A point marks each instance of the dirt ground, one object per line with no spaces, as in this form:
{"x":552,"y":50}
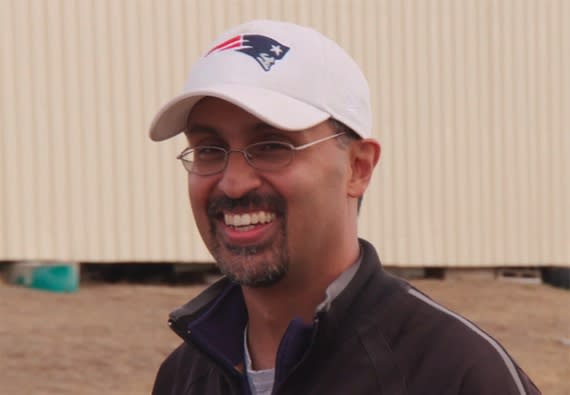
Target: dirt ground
{"x":111,"y":338}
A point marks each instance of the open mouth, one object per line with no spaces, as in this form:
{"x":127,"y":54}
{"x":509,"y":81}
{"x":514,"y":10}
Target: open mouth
{"x":248,"y":221}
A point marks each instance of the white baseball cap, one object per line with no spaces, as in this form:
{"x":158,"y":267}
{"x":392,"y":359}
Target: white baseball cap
{"x":289,"y":76}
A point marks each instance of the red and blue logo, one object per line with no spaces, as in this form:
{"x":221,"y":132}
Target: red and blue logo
{"x":266,"y":51}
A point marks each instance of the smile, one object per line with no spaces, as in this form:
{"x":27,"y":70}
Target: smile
{"x":248,"y":219}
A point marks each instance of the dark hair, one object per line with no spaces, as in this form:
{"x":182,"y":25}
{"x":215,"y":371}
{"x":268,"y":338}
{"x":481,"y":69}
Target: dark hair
{"x":349,"y":134}
{"x":345,"y":140}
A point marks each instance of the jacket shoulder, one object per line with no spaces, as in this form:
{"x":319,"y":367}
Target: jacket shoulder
{"x":434,"y":347}
{"x":180,"y":371}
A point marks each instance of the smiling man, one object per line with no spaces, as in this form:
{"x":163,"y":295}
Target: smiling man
{"x":280,"y":153}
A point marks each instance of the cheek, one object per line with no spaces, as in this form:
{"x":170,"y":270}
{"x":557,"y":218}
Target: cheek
{"x":198,"y":192}
{"x":312,"y":194}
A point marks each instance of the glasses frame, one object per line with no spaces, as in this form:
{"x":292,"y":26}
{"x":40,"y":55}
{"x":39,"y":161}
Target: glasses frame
{"x":247,"y":156}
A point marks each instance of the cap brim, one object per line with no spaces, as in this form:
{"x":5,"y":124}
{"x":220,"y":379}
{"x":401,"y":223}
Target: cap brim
{"x":278,"y":110}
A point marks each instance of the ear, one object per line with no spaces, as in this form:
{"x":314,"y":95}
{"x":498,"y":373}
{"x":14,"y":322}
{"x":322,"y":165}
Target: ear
{"x":364,"y":155}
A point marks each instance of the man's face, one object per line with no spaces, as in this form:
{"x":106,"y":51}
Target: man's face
{"x":261,"y":226}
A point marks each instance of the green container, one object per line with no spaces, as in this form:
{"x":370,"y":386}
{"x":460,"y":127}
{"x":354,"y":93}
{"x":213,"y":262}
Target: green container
{"x":47,"y":277}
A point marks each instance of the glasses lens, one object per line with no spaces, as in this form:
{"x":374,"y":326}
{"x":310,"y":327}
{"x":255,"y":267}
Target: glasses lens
{"x":269,"y":155}
{"x":205,"y":160}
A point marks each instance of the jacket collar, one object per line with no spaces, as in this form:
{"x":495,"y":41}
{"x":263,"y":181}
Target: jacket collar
{"x":215,"y":319}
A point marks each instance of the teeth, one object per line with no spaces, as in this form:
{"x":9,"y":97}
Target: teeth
{"x":260,"y":217}
{"x":245,"y":219}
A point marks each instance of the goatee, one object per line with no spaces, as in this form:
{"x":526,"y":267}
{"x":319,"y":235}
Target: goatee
{"x":256,"y":266}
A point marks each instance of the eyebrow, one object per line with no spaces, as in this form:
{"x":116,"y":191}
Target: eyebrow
{"x":265,"y":127}
{"x":203,"y":128}
{"x":199,"y":128}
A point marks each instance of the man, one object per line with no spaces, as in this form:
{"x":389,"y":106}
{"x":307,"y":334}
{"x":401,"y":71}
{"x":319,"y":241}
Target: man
{"x":279,"y":129}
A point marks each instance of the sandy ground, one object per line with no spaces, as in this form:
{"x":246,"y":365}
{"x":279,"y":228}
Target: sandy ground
{"x":111,"y":338}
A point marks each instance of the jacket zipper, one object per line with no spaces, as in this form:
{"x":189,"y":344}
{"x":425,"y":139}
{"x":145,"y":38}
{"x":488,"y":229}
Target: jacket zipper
{"x":276,"y":389}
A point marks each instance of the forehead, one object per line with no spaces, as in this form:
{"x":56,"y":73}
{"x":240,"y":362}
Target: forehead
{"x":214,"y":116}
{"x":213,"y":106}
{"x":219,"y":115}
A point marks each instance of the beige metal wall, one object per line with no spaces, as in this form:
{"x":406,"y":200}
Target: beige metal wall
{"x":472,"y":104}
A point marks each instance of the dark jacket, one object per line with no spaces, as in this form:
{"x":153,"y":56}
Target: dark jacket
{"x":380,"y":336}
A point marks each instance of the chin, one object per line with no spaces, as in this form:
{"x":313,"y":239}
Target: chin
{"x":266,"y":281}
{"x":255,"y":267}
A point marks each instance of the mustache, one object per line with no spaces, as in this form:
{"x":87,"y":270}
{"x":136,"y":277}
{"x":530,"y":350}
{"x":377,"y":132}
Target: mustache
{"x":250,"y":201}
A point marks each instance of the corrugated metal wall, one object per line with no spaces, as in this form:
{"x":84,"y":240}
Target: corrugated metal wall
{"x":472,"y":105}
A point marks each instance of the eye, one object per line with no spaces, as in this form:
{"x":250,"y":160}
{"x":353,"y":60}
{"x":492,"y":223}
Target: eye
{"x":269,"y":147}
{"x":270,"y":154}
{"x":208,"y":153}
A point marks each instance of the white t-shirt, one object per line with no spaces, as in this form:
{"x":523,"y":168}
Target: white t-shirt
{"x":260,"y":381}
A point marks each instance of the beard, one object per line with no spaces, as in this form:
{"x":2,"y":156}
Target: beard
{"x":256,"y":266}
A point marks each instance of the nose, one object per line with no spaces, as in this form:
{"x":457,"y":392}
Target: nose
{"x":238,"y":178}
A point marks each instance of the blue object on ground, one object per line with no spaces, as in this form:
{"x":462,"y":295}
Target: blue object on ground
{"x":47,"y":277}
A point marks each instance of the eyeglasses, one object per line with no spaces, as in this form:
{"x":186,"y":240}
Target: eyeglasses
{"x":206,"y":160}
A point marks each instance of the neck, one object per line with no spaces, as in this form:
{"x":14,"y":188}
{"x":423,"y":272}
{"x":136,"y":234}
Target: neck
{"x":270,"y":310}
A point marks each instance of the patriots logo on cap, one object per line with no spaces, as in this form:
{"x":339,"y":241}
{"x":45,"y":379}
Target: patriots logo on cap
{"x":266,"y":51}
